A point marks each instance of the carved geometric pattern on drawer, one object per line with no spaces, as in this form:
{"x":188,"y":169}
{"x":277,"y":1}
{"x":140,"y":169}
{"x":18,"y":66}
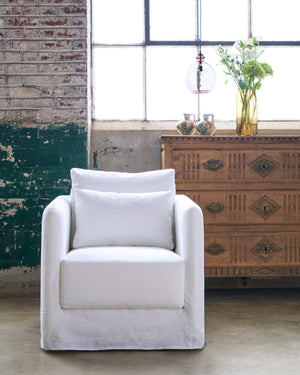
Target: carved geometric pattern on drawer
{"x":237,"y":207}
{"x":264,"y":271}
{"x":291,"y":207}
{"x":228,"y":271}
{"x":236,"y":165}
{"x":263,"y":165}
{"x":186,"y":165}
{"x":265,"y":249}
{"x":264,"y":207}
{"x":291,"y":165}
{"x":238,"y":249}
{"x":292,"y":249}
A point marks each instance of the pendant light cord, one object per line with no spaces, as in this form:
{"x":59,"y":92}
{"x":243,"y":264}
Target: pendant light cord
{"x":199,"y":38}
{"x":199,"y":23}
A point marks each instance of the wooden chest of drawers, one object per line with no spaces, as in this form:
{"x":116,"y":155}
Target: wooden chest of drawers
{"x":249,"y":191}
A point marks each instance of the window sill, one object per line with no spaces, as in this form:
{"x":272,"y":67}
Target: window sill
{"x":223,"y":127}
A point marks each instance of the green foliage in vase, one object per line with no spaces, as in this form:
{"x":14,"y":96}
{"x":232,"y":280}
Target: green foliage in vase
{"x":242,"y":64}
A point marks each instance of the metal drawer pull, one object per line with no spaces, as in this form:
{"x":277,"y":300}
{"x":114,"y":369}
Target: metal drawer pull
{"x":215,"y":207}
{"x":215,"y":249}
{"x":213,"y":164}
{"x":266,"y":208}
{"x":264,"y":165}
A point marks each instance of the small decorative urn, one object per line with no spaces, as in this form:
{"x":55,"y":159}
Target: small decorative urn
{"x":187,"y":125}
{"x":207,"y":125}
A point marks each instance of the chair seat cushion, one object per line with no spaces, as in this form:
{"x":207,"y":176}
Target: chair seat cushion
{"x":122,"y":277}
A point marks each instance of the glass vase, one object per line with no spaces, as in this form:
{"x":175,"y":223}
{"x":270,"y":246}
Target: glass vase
{"x":246,"y":112}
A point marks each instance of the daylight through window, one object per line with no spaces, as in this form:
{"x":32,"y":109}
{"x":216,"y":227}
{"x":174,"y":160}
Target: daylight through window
{"x":142,"y":49}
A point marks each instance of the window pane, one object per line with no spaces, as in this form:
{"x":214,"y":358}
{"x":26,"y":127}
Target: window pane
{"x":118,"y":21}
{"x":276,"y":20}
{"x":167,"y":69}
{"x":172,"y":19}
{"x":167,"y":95}
{"x":118,"y":83}
{"x":224,"y":20}
{"x":278,"y":97}
{"x":221,"y":100}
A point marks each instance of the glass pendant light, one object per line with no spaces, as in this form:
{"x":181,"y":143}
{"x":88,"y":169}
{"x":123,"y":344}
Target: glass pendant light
{"x":200,"y":77}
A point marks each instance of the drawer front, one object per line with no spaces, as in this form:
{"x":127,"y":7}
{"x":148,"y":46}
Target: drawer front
{"x":251,"y":207}
{"x":214,"y":166}
{"x":264,"y":254}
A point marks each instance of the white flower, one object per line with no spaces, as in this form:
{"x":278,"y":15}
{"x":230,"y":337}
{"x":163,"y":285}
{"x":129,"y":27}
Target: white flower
{"x":237,"y":44}
{"x":220,"y":51}
{"x":250,"y":54}
{"x":249,"y":42}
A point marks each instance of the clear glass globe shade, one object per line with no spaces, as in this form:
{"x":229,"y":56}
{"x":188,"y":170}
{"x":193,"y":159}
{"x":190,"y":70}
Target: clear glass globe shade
{"x":207,"y":78}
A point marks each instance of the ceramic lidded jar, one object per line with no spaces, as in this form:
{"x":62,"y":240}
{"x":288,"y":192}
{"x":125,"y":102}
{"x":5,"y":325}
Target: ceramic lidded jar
{"x":207,"y":125}
{"x":187,"y":125}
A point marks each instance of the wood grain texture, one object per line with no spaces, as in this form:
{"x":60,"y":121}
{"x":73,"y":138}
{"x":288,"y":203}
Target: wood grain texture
{"x":249,"y":191}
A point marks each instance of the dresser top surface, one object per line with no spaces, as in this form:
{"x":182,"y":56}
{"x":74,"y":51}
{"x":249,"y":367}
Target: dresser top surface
{"x":230,"y":139}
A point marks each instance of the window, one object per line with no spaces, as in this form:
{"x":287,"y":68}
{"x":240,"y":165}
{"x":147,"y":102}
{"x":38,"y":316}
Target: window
{"x":141,"y":50}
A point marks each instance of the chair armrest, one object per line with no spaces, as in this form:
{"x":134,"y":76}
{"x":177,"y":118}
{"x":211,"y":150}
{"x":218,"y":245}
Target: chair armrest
{"x":189,"y":232}
{"x":56,"y":223}
{"x":189,"y":229}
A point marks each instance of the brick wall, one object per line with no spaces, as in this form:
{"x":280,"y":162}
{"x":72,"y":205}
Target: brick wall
{"x":43,"y":123}
{"x":43,"y":55}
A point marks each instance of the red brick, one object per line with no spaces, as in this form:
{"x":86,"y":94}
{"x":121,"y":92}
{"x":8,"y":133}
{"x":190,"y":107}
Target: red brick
{"x":46,"y":57}
{"x":30,"y":56}
{"x":56,"y":44}
{"x":73,"y":10}
{"x":21,"y":22}
{"x":77,"y":22}
{"x":80,"y":69}
{"x":70,"y":33}
{"x":14,"y":11}
{"x":71,"y":57}
{"x":54,"y":22}
{"x":79,"y":44}
{"x":48,"y":11}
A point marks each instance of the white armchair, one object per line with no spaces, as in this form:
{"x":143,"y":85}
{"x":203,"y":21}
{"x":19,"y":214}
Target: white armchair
{"x":122,"y":265}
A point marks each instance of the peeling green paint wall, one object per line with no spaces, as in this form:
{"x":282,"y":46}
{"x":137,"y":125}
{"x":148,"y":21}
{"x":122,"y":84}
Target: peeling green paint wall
{"x":44,"y":124}
{"x":35,"y":163}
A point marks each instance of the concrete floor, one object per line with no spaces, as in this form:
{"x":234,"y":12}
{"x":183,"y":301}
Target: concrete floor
{"x":248,"y":332}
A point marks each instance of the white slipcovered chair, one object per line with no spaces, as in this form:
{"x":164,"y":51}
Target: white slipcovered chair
{"x":122,"y":265}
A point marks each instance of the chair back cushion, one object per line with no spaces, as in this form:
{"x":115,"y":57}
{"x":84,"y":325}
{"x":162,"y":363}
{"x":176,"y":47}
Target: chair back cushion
{"x":123,"y":219}
{"x":123,"y":182}
{"x":120,"y":182}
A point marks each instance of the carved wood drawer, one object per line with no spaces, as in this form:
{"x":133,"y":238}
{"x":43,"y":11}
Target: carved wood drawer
{"x":248,"y":207}
{"x":269,"y":252}
{"x":232,"y":166}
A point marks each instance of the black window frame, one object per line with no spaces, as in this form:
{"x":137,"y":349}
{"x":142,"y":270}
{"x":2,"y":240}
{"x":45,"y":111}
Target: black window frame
{"x":148,"y":42}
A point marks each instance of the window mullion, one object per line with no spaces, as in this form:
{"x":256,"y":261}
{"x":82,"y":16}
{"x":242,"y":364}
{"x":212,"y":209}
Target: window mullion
{"x":145,"y":82}
{"x":146,"y":43}
{"x":250,"y":19}
{"x":147,"y":21}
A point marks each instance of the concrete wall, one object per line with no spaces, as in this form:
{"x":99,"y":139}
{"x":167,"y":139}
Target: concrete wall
{"x":43,"y":124}
{"x":125,"y":150}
